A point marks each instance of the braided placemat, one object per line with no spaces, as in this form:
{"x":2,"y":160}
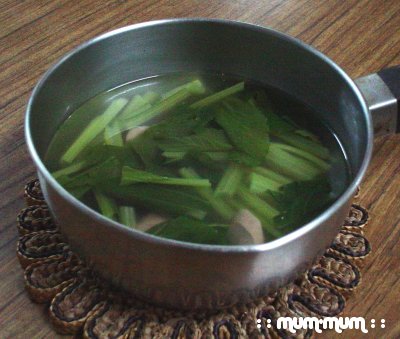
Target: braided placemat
{"x":80,"y":303}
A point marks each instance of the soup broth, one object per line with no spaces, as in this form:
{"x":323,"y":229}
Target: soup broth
{"x":203,"y":158}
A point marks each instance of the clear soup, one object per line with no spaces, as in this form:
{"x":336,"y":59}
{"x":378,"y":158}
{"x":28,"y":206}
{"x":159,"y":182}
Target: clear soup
{"x":203,"y":158}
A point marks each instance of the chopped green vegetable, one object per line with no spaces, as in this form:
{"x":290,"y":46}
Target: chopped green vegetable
{"x":151,"y":97}
{"x":230,"y":182}
{"x":286,"y":130}
{"x":174,"y":155}
{"x":138,"y":104}
{"x":216,"y":97}
{"x":308,"y":135}
{"x":323,"y":165}
{"x":71,"y":169}
{"x":305,"y":144}
{"x":301,"y":200}
{"x":256,"y":203}
{"x":246,"y":127}
{"x":290,"y":164}
{"x":162,"y":106}
{"x":260,"y":184}
{"x":112,"y":135}
{"x":242,"y":158}
{"x":99,"y":153}
{"x":93,"y":129}
{"x":216,"y":156}
{"x":195,"y":87}
{"x":147,"y":149}
{"x":192,"y":230}
{"x":110,"y":169}
{"x":106,"y":205}
{"x":134,"y":107}
{"x":217,"y":204}
{"x":208,"y":140}
{"x":157,"y":109}
{"x":181,"y":123}
{"x":262,"y":210}
{"x":278,"y":123}
{"x":266,"y":172}
{"x":194,"y":159}
{"x":127,"y":216}
{"x":132,"y":176}
{"x":169,"y":199}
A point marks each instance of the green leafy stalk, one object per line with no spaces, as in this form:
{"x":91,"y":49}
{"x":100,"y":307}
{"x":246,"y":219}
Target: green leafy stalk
{"x":158,"y":108}
{"x":184,"y":228}
{"x":280,"y":124}
{"x":217,"y":204}
{"x":176,"y":132}
{"x":305,"y":144}
{"x":168,"y":199}
{"x":291,"y":165}
{"x":323,"y":165}
{"x":100,"y":161}
{"x":143,"y":108}
{"x":127,"y":216}
{"x":216,"y":156}
{"x":285,"y":129}
{"x":276,"y":177}
{"x":181,"y":122}
{"x":262,"y":210}
{"x":230,"y":182}
{"x":106,"y":205}
{"x":260,"y":184}
{"x":216,"y":97}
{"x":307,"y":134}
{"x":132,"y":176}
{"x":173,"y":155}
{"x":246,"y":127}
{"x":208,"y":140}
{"x":109,"y":169}
{"x":71,"y":169}
{"x":245,"y":159}
{"x":112,"y":135}
{"x":151,"y":97}
{"x":138,"y":104}
{"x":95,"y":127}
{"x":195,"y":87}
{"x":147,"y":150}
{"x":258,"y":204}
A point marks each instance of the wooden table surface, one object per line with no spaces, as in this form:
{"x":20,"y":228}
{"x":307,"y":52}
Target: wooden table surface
{"x":361,"y":36}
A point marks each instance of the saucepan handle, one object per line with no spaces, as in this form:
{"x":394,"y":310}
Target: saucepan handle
{"x":382,"y":92}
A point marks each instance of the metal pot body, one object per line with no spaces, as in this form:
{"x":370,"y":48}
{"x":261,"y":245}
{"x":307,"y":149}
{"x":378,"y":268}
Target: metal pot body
{"x":170,"y":272}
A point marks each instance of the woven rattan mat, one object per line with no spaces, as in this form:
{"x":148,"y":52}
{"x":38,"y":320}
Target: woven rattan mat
{"x":82,"y":304}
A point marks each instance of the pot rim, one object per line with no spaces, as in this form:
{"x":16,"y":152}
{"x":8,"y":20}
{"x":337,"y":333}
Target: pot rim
{"x":298,"y":233}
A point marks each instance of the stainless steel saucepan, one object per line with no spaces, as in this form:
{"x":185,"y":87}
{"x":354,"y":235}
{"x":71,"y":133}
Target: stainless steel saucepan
{"x":189,"y":275}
